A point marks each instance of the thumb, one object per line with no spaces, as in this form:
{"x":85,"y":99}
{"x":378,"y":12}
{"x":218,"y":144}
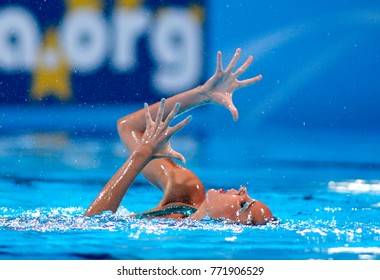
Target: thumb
{"x":176,"y":155}
{"x":235,"y":114}
{"x":171,"y":154}
{"x":226,"y":101}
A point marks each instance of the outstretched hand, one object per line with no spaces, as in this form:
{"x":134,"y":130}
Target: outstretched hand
{"x":220,"y":87}
{"x":158,"y":133}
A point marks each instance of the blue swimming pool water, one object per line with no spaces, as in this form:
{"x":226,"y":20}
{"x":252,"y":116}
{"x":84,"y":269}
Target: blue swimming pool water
{"x":326,"y":194}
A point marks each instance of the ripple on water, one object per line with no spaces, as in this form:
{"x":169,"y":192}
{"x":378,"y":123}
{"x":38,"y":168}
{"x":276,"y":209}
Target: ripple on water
{"x":71,"y":218}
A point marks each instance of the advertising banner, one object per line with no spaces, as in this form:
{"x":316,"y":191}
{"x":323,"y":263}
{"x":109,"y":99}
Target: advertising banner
{"x":99,"y":52}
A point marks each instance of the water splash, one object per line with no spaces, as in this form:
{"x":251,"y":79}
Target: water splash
{"x":356,"y":186}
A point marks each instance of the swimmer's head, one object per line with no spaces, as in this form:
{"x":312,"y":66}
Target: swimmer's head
{"x":234,"y":206}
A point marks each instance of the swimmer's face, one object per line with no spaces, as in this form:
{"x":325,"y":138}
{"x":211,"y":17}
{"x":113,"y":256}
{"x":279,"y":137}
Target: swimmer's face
{"x":236,"y":206}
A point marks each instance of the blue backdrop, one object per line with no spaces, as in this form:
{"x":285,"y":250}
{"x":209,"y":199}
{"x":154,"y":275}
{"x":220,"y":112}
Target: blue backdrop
{"x":319,"y":59}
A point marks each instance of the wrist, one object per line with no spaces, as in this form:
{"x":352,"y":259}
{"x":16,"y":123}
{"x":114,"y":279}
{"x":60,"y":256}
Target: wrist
{"x":144,"y":152}
{"x":202,"y":95}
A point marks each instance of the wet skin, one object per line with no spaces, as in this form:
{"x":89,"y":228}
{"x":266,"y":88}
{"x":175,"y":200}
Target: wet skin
{"x":146,"y":134}
{"x":235,"y":206}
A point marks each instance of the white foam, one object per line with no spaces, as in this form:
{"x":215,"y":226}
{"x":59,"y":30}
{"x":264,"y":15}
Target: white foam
{"x":355,"y":250}
{"x":356,"y":186}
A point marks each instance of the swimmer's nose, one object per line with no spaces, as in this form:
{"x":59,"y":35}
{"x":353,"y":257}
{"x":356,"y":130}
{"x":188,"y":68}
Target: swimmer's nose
{"x":242,"y":190}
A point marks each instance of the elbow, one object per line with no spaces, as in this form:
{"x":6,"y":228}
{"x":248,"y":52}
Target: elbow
{"x":128,"y":133}
{"x":122,"y":125}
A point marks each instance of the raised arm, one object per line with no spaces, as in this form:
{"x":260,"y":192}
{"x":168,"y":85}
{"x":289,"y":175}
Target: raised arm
{"x":218,"y":89}
{"x":178,"y":183}
{"x":153,"y":144}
